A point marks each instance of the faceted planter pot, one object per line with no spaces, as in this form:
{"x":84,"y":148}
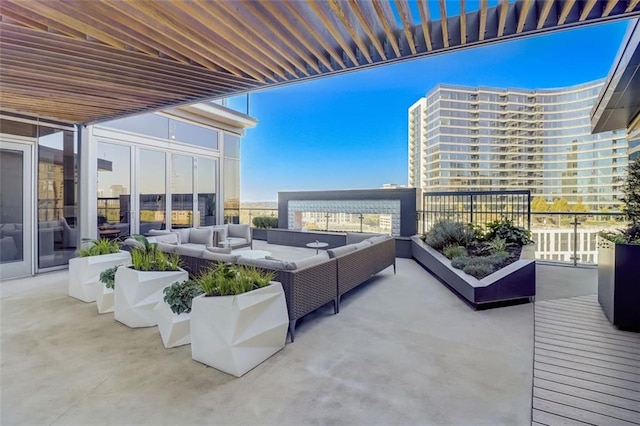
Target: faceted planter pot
{"x":618,"y":283}
{"x":104,"y":299}
{"x":138,"y":292}
{"x":84,"y":273}
{"x":236,"y":333}
{"x":174,"y":328}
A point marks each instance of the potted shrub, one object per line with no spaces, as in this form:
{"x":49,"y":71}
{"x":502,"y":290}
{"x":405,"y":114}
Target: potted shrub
{"x":93,"y":258}
{"x":138,"y":288}
{"x":240,"y":320}
{"x":261,"y":225}
{"x":174,"y":314}
{"x":104,"y":296}
{"x":618,"y":255}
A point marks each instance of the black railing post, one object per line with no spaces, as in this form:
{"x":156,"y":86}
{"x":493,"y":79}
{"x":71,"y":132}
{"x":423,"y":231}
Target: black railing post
{"x":472,"y":208}
{"x":361,"y":217}
{"x":575,"y":239}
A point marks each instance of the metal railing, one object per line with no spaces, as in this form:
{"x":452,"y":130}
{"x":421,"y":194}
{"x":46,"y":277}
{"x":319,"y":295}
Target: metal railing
{"x":247,"y":215}
{"x":477,"y":207}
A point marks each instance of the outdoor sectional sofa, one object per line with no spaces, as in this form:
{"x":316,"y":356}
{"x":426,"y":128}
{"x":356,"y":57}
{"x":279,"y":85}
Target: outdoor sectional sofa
{"x":308,"y":283}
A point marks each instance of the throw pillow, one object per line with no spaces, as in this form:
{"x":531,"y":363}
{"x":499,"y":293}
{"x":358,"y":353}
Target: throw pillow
{"x":201,"y":236}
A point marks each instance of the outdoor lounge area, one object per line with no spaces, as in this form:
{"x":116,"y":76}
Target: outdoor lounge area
{"x":402,"y":350}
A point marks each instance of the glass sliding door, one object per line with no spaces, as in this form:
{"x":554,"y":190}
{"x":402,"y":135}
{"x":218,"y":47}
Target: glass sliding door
{"x":181,"y":191}
{"x":114,"y":190}
{"x":152,"y":190}
{"x":15,"y":210}
{"x":58,"y":236}
{"x":206,"y":187}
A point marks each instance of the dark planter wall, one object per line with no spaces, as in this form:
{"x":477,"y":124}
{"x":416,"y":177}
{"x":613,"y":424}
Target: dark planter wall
{"x":619,"y":283}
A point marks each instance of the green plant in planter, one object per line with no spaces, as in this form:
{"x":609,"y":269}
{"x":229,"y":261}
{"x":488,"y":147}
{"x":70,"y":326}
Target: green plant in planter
{"x":108,"y":277}
{"x":453,"y":251}
{"x":179,"y":295}
{"x":446,"y":233}
{"x":506,"y":230}
{"x":147,"y":257}
{"x":631,"y":208}
{"x":99,"y":247}
{"x":228,"y":280}
{"x":265,"y":222}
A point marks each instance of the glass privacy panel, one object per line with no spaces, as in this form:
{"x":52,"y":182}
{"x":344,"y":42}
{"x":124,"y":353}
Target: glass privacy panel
{"x":145,"y":124}
{"x":231,"y":182}
{"x":231,"y":145}
{"x":57,"y":197}
{"x":11,"y":200}
{"x":114,"y":192}
{"x":181,"y":191}
{"x":206,"y":180}
{"x":193,"y":134}
{"x":152,"y":189}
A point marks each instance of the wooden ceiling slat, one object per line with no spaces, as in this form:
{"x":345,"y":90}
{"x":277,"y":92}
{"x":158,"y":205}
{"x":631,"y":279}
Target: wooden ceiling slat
{"x":425,"y":22}
{"x":525,"y":7}
{"x":482,"y":30}
{"x":284,"y":36}
{"x":463,"y":23}
{"x":304,"y":22}
{"x":53,"y":42}
{"x":16,"y":10}
{"x":4,"y":13}
{"x":566,"y":8}
{"x":407,"y":23}
{"x":153,"y":72}
{"x":233,"y":31}
{"x":193,"y":42}
{"x":388,"y":24}
{"x":588,"y":6}
{"x":502,"y":21}
{"x":111,"y":14}
{"x":319,"y":9}
{"x":342,"y":17}
{"x":609,"y":7}
{"x":444,"y":23}
{"x":366,"y":26}
{"x":544,"y":13}
{"x":632,"y":5}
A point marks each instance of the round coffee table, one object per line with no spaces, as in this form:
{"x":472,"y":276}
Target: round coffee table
{"x":317,"y":245}
{"x":252,"y":254}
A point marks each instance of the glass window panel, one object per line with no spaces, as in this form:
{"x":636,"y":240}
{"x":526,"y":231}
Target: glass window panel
{"x":57,"y":197}
{"x":152,"y":188}
{"x":207,"y":191}
{"x":193,"y":134}
{"x":231,"y":182}
{"x":114,"y":192}
{"x":146,"y":124}
{"x":11,"y":200}
{"x":231,"y":146}
{"x":181,"y":191}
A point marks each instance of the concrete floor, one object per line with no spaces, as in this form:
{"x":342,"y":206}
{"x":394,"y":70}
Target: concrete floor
{"x":404,"y":350}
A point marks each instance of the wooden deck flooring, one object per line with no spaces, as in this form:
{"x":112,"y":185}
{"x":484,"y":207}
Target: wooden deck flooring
{"x":585,"y":370}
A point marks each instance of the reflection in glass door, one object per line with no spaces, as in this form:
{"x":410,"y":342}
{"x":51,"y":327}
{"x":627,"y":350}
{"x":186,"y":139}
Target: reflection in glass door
{"x":114,"y":190}
{"x":206,"y":186}
{"x":181,"y":191}
{"x":152,"y":190}
{"x":15,"y":210}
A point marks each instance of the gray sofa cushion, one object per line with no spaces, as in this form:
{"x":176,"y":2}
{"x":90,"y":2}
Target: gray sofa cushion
{"x":362,"y":245}
{"x":236,"y":241}
{"x":310,"y":261}
{"x":379,"y":238}
{"x":239,"y":231}
{"x":225,"y":250}
{"x":183,"y":235}
{"x":133,"y":243}
{"x":279,"y":265}
{"x":167,"y":248}
{"x":341,"y":251}
{"x":220,"y":257}
{"x":188,"y":250}
{"x":201,"y":236}
{"x":167,"y":238}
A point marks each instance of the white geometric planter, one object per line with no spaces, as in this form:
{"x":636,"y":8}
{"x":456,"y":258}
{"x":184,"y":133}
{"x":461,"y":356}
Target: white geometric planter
{"x":138,"y":292}
{"x":84,"y":273}
{"x":104,"y":299}
{"x":174,"y":328}
{"x":236,"y":333}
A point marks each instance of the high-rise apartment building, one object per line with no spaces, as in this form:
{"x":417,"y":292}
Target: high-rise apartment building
{"x":466,"y":138}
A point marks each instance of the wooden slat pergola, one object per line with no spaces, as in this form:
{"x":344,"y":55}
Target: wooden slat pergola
{"x":82,"y":61}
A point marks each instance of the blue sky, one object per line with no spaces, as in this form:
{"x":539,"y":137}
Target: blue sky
{"x":350,"y":131}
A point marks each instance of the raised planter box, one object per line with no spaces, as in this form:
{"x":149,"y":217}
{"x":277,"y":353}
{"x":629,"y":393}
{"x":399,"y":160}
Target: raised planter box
{"x":84,"y":273}
{"x":174,"y":328}
{"x":236,"y":333}
{"x":514,"y":283}
{"x":138,"y":292}
{"x":104,"y":299}
{"x":259,"y":234}
{"x":295,"y":238}
{"x":619,"y":284}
